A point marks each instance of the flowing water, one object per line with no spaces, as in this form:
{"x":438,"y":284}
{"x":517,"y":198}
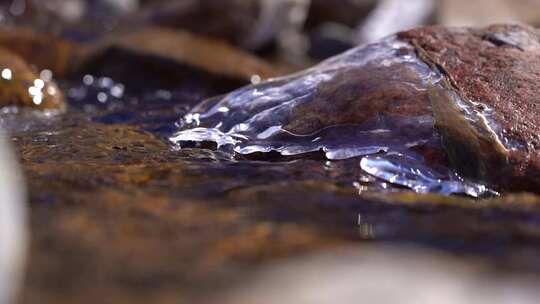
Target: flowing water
{"x":369,"y":100}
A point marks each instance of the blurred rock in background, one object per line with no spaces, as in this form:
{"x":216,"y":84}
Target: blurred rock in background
{"x":336,"y":26}
{"x":13,"y":229}
{"x":484,"y":12}
{"x":67,"y":17}
{"x":230,"y":20}
{"x":380,"y":275}
{"x":391,"y":16}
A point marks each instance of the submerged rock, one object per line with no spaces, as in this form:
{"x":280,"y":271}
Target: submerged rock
{"x":370,"y":99}
{"x":20,"y":86}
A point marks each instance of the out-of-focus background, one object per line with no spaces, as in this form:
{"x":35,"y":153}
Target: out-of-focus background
{"x":285,"y":35}
{"x":298,"y":31}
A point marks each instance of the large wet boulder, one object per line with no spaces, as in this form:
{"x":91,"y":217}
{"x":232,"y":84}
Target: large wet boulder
{"x":495,"y":71}
{"x":471,"y":90}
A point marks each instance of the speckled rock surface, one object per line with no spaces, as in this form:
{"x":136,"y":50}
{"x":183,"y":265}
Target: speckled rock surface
{"x":498,"y":67}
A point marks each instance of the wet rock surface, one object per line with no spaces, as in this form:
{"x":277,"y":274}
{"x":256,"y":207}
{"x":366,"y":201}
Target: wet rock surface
{"x":371,"y":89}
{"x":120,"y":214}
{"x":474,"y":86}
{"x":142,"y":223}
{"x":496,"y":69}
{"x":374,"y":99}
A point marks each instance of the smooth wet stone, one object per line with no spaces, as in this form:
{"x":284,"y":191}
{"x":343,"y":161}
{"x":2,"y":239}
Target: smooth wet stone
{"x":21,"y":86}
{"x":495,"y":72}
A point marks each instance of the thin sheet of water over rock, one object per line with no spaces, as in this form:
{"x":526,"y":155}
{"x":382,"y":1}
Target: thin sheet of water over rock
{"x":409,"y":172}
{"x":367,"y":100}
{"x":374,"y":99}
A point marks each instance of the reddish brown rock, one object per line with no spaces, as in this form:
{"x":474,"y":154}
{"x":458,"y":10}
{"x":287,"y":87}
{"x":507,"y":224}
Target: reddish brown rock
{"x":358,"y":94}
{"x":497,"y":70}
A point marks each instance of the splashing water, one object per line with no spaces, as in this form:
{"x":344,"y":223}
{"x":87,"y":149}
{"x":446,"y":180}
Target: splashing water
{"x":408,"y":172}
